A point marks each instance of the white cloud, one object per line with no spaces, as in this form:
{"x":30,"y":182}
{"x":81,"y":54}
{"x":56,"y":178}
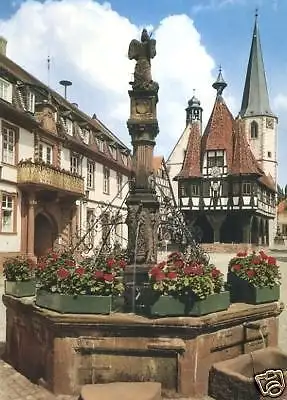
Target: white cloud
{"x":88,"y":44}
{"x":280,"y":102}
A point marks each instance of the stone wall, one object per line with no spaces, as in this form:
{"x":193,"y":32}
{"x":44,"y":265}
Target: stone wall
{"x":67,"y":351}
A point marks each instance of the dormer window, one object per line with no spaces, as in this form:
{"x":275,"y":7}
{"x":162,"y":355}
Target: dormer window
{"x":114,"y":152}
{"x":215,"y":159}
{"x":254,"y":130}
{"x":69,"y":126}
{"x":31,"y":102}
{"x":6,"y":90}
{"x":100,"y":143}
{"x":246,"y":188}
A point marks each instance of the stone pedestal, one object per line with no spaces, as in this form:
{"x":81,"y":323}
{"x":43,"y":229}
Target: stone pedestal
{"x":68,"y":351}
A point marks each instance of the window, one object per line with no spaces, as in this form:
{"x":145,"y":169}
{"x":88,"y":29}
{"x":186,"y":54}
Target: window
{"x":7,"y":213}
{"x":75,"y":164}
{"x":100,"y":144}
{"x":106,"y":188}
{"x":254,"y":130}
{"x":194,"y":190}
{"x":246,"y":188}
{"x":284,"y":230}
{"x":45,"y":153}
{"x":31,"y":102}
{"x":119,"y":185}
{"x":91,"y":175}
{"x":215,"y":159}
{"x":90,"y":227}
{"x":184,"y":192}
{"x":69,"y":126}
{"x":269,"y":154}
{"x":5,"y":90}
{"x":9,"y":145}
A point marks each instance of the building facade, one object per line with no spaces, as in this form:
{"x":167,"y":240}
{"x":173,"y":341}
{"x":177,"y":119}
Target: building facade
{"x":226,"y":176}
{"x":62,"y":172}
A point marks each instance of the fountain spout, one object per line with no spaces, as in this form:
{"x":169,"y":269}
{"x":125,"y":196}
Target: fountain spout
{"x":257,"y":327}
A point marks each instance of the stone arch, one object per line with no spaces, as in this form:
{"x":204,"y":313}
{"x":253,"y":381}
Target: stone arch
{"x":254,"y":130}
{"x":207,"y":234}
{"x":46,"y":232}
{"x":254,"y":231}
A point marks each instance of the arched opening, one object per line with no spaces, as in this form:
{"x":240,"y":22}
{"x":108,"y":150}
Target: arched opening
{"x":231,"y":231}
{"x":254,"y":231}
{"x":254,"y":130}
{"x":205,"y":229}
{"x":45,"y":234}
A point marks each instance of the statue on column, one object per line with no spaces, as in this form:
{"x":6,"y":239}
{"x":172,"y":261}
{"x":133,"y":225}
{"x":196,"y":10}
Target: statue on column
{"x":143,"y":51}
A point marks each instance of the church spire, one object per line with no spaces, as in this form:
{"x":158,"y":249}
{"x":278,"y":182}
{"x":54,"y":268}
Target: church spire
{"x":255,"y":101}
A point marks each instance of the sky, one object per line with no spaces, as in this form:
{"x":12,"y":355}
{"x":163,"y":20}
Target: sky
{"x":87,"y":42}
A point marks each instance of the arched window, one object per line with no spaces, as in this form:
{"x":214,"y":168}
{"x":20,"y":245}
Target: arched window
{"x":254,"y":130}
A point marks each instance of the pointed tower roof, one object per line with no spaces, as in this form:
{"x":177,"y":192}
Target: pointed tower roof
{"x":243,"y":160}
{"x":255,"y":99}
{"x":219,"y":129}
{"x":191,"y":162}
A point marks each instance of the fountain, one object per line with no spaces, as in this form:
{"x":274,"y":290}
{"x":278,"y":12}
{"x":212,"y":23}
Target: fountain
{"x":67,"y":351}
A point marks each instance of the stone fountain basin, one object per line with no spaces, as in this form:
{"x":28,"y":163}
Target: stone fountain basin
{"x":234,"y":378}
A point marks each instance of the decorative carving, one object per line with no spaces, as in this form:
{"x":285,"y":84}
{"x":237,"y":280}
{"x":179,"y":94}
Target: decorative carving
{"x":46,"y":118}
{"x":143,"y":52}
{"x":146,"y":221}
{"x":269,"y":123}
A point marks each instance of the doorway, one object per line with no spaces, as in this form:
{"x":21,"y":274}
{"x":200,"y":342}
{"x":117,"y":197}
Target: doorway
{"x":45,"y":235}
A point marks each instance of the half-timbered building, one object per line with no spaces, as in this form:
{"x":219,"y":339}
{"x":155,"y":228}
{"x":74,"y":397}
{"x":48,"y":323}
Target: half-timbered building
{"x":226,"y":176}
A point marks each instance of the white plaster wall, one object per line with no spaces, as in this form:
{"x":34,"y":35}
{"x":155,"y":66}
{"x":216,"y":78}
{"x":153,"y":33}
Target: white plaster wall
{"x":65,"y":158}
{"x":11,"y":242}
{"x":175,"y":160}
{"x":26,"y":144}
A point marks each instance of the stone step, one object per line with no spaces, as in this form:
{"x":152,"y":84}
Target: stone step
{"x":122,"y":390}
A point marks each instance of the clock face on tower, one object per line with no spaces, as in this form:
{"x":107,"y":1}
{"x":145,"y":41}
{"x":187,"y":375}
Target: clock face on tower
{"x":215,"y":172}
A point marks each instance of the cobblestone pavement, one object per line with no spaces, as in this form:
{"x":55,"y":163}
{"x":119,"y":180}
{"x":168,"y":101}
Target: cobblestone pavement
{"x":14,"y":386}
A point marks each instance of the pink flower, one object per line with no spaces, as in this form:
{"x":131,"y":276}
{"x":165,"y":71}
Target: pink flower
{"x":63,"y":273}
{"x":172,"y":275}
{"x":80,"y":271}
{"x":108,"y":277}
{"x":250,"y":273}
{"x":98,"y":274}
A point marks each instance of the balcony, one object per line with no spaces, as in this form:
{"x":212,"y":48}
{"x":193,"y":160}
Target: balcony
{"x":47,"y":177}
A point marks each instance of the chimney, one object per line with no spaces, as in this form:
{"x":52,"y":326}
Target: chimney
{"x":3,"y":45}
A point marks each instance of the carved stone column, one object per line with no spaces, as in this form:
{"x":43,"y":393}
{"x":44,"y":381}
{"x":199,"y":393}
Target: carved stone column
{"x":31,"y":224}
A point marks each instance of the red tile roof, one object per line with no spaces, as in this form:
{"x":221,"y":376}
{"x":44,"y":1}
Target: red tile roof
{"x":219,"y":130}
{"x":268,"y":181}
{"x":191,"y":162}
{"x":243,"y":160}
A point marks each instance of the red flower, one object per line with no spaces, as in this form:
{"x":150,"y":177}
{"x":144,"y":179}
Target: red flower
{"x":215,"y":273}
{"x":155,"y":271}
{"x":250,"y":273}
{"x":160,"y":276}
{"x":111,"y":262}
{"x":70,"y":263}
{"x":80,"y":271}
{"x":188,"y":270}
{"x":241,"y":254}
{"x":63,"y":273}
{"x":108,"y":277}
{"x":178,"y":263}
{"x":271,"y":260}
{"x":54,"y":256}
{"x":41,"y":265}
{"x":98,"y":274}
{"x":161,"y":265}
{"x":172,"y":275}
{"x":122,"y":264}
{"x":263,"y":255}
{"x":236,"y":267}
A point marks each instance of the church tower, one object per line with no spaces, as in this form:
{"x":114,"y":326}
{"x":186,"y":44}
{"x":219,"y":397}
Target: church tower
{"x":260,"y":122}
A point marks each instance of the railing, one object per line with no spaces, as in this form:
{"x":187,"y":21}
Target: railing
{"x":45,"y":175}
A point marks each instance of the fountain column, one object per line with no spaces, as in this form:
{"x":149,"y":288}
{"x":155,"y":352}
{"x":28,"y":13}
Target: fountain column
{"x":142,"y":202}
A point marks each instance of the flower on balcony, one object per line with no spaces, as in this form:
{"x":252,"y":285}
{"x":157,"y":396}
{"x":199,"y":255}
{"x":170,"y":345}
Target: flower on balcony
{"x":20,"y":269}
{"x":259,"y":269}
{"x":61,"y":273}
{"x":181,"y":276}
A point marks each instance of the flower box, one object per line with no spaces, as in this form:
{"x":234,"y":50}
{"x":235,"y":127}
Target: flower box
{"x":81,"y":304}
{"x":241,"y":291}
{"x":171,"y":306}
{"x":20,"y":288}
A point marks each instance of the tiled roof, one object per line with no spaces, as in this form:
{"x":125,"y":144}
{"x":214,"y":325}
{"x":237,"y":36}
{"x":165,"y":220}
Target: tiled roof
{"x":243,"y":160}
{"x":268,"y":181}
{"x":157,"y":163}
{"x":191,"y":163}
{"x":219,"y":130}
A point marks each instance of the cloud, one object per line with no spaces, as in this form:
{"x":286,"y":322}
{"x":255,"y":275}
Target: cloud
{"x":280,"y":102}
{"x":208,"y":5}
{"x":88,"y":44}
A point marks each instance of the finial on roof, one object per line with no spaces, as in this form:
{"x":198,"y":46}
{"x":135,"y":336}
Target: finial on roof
{"x":256,"y":13}
{"x":220,"y":84}
{"x":194,"y":102}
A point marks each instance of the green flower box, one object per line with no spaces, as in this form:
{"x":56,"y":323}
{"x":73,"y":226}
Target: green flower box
{"x":241,"y":291}
{"x":20,"y":288}
{"x":81,"y":304}
{"x":171,"y":306}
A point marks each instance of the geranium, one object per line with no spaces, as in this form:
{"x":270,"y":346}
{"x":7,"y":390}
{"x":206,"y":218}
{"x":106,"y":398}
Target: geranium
{"x":61,"y":273}
{"x":19,"y":269}
{"x":259,"y":269}
{"x":181,"y":275}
